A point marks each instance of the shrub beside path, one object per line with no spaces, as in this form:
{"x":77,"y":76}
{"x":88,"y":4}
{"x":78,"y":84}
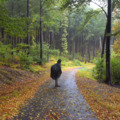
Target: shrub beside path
{"x":62,"y":103}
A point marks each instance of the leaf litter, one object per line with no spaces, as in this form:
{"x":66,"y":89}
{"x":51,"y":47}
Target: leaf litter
{"x":102,"y":98}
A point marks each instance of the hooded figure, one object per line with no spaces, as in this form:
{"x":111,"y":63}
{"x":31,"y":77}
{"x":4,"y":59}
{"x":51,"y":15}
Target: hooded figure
{"x":56,"y":72}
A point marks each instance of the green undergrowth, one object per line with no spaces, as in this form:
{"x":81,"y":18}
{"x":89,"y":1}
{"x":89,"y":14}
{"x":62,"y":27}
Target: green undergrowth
{"x":9,"y":74}
{"x":36,"y":69}
{"x":100,"y":69}
{"x":87,"y":71}
{"x":66,"y":63}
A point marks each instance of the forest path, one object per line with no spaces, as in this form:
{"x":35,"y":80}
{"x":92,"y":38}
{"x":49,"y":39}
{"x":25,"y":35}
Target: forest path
{"x":62,"y":103}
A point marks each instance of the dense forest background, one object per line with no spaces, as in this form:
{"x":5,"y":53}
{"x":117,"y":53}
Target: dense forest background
{"x":34,"y":30}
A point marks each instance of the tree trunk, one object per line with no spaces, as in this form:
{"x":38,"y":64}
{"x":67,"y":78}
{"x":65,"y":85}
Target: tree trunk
{"x":100,"y":43}
{"x":89,"y":51}
{"x":82,"y":47}
{"x":41,"y":34}
{"x":93,"y":47}
{"x":28,"y":15}
{"x":38,"y":36}
{"x":108,"y":67}
{"x":73,"y":49}
{"x":3,"y":34}
{"x":49,"y":42}
{"x":50,"y":39}
{"x":78,"y":45}
{"x":104,"y":41}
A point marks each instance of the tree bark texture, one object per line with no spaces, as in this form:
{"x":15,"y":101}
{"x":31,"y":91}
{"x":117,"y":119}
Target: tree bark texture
{"x":28,"y":15}
{"x":108,"y":67}
{"x":41,"y":34}
{"x":104,"y":41}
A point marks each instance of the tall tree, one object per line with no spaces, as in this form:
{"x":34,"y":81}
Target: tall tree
{"x":114,"y":4}
{"x":28,"y":15}
{"x":41,"y":32}
{"x":108,"y":67}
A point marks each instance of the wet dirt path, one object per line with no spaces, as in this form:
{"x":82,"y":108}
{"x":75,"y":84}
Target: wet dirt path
{"x":61,"y":103}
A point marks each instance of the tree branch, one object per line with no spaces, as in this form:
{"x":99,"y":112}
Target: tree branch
{"x":100,"y":7}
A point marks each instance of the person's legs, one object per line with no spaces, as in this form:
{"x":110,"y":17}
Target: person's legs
{"x":56,"y":83}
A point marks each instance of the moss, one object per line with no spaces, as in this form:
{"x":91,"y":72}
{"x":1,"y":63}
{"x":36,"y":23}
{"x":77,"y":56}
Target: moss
{"x":15,"y":93}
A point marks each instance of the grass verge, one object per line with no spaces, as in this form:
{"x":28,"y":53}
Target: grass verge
{"x":87,"y":71}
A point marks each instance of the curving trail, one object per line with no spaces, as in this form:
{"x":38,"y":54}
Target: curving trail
{"x":62,"y":103}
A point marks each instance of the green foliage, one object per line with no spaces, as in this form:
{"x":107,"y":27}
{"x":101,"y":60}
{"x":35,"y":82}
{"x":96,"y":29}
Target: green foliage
{"x":47,"y":52}
{"x":99,"y":71}
{"x":69,"y":63}
{"x":65,"y":62}
{"x":8,"y":55}
{"x":54,"y":52}
{"x":20,"y":54}
{"x":35,"y":52}
{"x":115,"y":70}
{"x":99,"y":23}
{"x":16,"y":8}
{"x":72,"y":3}
{"x":4,"y":18}
{"x":64,"y":35}
{"x":70,"y":57}
{"x":5,"y":52}
{"x":22,"y":46}
{"x":86,"y":73}
{"x":16,"y":27}
{"x":88,"y":16}
{"x":25,"y":59}
{"x":76,"y":62}
{"x":3,"y":1}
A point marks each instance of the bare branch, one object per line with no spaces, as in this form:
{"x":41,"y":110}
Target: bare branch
{"x":100,"y":7}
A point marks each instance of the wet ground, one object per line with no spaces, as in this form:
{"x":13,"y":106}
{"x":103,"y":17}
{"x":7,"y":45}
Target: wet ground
{"x":61,"y":103}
